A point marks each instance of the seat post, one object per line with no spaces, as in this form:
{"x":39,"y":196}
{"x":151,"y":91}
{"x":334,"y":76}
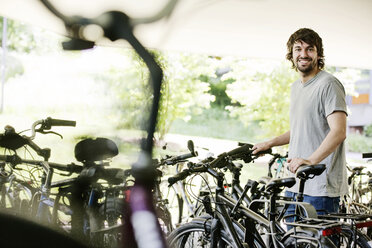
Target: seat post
{"x":301,"y":188}
{"x":300,"y":197}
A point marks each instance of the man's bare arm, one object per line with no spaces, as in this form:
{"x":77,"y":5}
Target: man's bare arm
{"x":277,"y":141}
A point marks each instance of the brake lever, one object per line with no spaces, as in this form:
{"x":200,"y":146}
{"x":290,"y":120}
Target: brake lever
{"x":49,"y":132}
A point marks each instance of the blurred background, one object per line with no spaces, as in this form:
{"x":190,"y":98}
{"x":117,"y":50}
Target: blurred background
{"x":213,"y":97}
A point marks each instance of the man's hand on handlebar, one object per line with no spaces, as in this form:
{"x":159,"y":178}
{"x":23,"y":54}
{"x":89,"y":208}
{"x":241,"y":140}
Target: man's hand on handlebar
{"x":260,"y":147}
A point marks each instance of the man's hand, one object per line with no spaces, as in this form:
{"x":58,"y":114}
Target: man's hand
{"x":260,"y":147}
{"x":277,"y":141}
{"x":294,"y":163}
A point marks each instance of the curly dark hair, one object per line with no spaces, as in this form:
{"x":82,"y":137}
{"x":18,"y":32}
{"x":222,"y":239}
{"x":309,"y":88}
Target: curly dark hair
{"x":310,"y":37}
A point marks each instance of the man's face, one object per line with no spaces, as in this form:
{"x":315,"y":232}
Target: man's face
{"x":305,"y":57}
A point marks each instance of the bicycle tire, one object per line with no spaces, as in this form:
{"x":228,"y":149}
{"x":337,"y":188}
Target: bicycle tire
{"x":362,"y":241}
{"x":175,"y":202}
{"x":164,"y":218}
{"x":194,"y":235}
{"x":199,"y":227}
{"x":359,"y":208}
{"x":16,"y":198}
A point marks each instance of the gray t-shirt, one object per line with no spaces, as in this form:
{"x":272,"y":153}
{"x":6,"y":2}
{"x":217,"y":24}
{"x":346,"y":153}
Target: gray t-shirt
{"x":311,"y":104}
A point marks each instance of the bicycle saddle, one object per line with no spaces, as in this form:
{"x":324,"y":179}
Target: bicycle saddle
{"x":305,"y":171}
{"x":357,"y":169}
{"x":275,"y":184}
{"x":97,"y":149}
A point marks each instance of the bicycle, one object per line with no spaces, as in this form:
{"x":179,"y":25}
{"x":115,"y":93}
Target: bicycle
{"x":349,"y":235}
{"x":91,"y":217}
{"x":220,"y":227}
{"x":19,"y":184}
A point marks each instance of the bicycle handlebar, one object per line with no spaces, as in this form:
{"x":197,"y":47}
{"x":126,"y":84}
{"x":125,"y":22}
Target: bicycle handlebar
{"x":48,"y":123}
{"x":179,"y":158}
{"x":187,"y":172}
{"x":244,"y":152}
{"x":242,"y":149}
{"x":178,"y":177}
{"x":59,"y":122}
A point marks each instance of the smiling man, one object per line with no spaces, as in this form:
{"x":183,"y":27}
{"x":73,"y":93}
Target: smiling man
{"x":317,"y":123}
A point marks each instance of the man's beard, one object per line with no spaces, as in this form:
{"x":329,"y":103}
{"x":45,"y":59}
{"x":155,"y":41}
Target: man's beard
{"x":307,"y":69}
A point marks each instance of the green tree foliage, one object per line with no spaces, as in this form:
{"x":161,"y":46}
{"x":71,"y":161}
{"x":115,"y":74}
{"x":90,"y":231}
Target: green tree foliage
{"x":368,"y":130}
{"x":263,"y":95}
{"x":218,"y":90}
{"x":183,"y":93}
{"x":20,"y":37}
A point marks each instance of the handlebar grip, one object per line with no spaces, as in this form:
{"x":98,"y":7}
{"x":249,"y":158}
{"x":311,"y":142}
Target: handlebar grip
{"x":367,"y":155}
{"x":268,"y":151}
{"x":185,"y":156}
{"x":178,"y":177}
{"x":244,"y":148}
{"x":73,"y":168}
{"x":174,"y":160}
{"x":219,"y":161}
{"x":59,"y":122}
{"x":243,"y":144}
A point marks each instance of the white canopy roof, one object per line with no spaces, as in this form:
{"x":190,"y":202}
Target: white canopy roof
{"x":252,"y":28}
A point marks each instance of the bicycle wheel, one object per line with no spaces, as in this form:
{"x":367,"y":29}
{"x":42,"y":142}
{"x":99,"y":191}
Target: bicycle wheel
{"x":350,"y":239}
{"x":173,"y":199}
{"x":106,"y":224}
{"x":196,"y":234}
{"x":164,"y":218}
{"x":16,"y":197}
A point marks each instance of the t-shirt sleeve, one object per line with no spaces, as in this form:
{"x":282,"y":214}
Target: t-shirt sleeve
{"x":334,"y":98}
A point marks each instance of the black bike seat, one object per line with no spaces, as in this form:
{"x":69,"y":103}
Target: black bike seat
{"x":305,"y":171}
{"x":98,"y":149}
{"x":275,"y":184}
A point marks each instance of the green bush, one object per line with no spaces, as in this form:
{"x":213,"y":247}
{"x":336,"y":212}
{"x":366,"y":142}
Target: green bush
{"x":368,"y":130}
{"x":217,"y":123}
{"x":359,"y":143}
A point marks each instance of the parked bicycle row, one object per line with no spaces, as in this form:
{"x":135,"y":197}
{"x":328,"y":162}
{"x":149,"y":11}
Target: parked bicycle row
{"x":200,"y":202}
{"x":256,"y":215}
